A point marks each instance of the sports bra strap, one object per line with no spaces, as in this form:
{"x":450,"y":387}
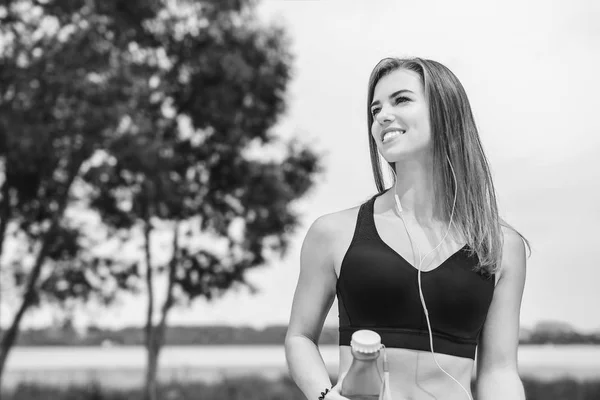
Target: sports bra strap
{"x":365,"y":225}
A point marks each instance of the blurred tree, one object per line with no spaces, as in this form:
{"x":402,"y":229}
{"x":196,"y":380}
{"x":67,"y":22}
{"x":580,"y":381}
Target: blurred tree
{"x":160,"y":113}
{"x":64,"y":87}
{"x":190,"y":156}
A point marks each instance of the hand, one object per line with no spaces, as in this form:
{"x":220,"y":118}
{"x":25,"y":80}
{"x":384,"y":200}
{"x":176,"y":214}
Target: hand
{"x":334,"y":393}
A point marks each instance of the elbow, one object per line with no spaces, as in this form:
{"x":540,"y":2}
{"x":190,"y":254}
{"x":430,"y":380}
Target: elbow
{"x":292,"y":339}
{"x":288,"y":343}
{"x":500,"y":383}
{"x":299,"y":350}
{"x":500,"y":371}
{"x":297,"y":345}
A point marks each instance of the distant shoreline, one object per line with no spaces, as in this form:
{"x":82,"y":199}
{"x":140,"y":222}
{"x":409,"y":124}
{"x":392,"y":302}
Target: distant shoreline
{"x":546,"y":333}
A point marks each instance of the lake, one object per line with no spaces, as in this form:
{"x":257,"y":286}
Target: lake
{"x":122,"y":366}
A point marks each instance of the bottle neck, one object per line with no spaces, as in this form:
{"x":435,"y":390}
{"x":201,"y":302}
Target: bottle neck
{"x":365,"y":356}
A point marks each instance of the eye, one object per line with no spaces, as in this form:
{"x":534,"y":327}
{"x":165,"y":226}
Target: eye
{"x":401,"y":99}
{"x":374,"y":111}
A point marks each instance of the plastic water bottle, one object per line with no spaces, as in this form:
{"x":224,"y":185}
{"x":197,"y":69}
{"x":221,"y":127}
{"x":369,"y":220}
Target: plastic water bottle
{"x":364,"y":381}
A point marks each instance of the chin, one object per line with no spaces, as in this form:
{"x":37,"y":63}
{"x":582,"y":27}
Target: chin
{"x":403,"y":154}
{"x":397,"y":155}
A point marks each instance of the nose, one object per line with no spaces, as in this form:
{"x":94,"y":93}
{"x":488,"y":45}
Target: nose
{"x":384,"y":116}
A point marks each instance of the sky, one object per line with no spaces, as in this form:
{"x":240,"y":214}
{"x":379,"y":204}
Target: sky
{"x":530,"y":71}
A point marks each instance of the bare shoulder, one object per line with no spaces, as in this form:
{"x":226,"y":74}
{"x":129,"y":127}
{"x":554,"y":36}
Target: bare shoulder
{"x":338,"y":221}
{"x":329,"y":226}
{"x":317,"y":281}
{"x":334,"y":232}
{"x":513,"y":253}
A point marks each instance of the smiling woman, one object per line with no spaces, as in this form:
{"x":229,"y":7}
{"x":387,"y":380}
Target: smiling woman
{"x":433,"y":317}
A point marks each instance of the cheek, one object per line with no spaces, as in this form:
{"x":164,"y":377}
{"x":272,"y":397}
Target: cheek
{"x":425,"y":129}
{"x":375,"y":131}
{"x":421,"y":122}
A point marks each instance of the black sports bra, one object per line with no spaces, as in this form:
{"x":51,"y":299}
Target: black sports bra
{"x":377,"y":289}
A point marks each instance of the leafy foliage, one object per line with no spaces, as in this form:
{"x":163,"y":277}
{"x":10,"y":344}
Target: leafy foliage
{"x":181,"y":154}
{"x":62,"y":92}
{"x":143,"y":112}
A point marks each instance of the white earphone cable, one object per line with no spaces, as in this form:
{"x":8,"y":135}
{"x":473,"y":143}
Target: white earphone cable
{"x":399,"y":208}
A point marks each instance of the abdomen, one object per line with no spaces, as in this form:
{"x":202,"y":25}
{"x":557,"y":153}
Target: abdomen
{"x":415,"y":376}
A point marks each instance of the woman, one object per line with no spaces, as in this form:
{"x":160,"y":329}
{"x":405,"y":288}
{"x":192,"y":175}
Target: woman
{"x":442,"y":206}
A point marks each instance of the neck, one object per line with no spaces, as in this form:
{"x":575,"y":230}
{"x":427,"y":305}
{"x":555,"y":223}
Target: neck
{"x":415,"y":188}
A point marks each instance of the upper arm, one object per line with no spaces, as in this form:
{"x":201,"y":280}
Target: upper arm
{"x":500,"y":336}
{"x":316,"y":286}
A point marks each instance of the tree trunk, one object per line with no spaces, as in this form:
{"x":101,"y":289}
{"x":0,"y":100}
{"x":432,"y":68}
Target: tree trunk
{"x":155,"y":335}
{"x":9,"y":338}
{"x":153,"y":349}
{"x":150,"y":339}
{"x":4,"y":215}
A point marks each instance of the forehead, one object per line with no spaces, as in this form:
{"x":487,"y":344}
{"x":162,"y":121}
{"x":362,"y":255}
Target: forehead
{"x":396,"y":80}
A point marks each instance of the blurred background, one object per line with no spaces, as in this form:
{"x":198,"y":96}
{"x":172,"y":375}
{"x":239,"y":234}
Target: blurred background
{"x":162,"y":160}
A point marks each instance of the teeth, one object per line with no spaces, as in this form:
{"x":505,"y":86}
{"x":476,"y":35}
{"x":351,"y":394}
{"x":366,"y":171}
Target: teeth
{"x":390,"y":135}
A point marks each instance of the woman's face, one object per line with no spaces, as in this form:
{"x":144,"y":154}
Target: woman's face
{"x":401,"y":116}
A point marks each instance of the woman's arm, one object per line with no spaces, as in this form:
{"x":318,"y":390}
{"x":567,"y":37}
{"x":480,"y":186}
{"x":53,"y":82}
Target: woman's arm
{"x":497,"y":370}
{"x":313,"y":298}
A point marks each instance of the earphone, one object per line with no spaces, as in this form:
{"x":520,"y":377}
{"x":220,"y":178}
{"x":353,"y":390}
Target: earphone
{"x":399,"y":208}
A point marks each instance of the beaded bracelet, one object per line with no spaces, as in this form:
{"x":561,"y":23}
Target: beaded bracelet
{"x":322,"y":396}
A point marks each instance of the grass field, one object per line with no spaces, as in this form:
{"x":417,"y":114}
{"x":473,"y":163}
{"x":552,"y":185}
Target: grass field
{"x":260,"y":388}
{"x":549,"y":373}
{"x":132,"y":378}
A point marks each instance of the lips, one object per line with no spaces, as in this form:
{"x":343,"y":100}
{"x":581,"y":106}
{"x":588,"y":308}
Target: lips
{"x":390,"y":133}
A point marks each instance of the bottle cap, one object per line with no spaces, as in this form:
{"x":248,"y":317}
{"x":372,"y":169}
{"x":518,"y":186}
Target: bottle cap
{"x":365,"y":341}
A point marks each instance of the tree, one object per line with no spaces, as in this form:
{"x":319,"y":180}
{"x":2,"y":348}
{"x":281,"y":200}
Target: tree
{"x":185,"y":159}
{"x":153,"y":114}
{"x":63,"y":89}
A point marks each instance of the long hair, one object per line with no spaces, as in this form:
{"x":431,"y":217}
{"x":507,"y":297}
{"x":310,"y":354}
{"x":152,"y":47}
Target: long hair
{"x":455,"y":136}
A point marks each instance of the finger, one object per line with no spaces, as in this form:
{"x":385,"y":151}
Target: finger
{"x":340,"y":379}
{"x":337,"y":387}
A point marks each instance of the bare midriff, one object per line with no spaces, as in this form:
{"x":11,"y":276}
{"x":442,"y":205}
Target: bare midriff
{"x":414,"y":374}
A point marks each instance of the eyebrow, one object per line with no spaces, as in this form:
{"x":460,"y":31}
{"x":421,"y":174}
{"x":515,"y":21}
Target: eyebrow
{"x":376,"y":102}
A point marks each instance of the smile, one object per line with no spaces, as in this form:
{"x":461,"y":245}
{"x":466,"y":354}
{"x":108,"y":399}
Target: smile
{"x":391,"y":134}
